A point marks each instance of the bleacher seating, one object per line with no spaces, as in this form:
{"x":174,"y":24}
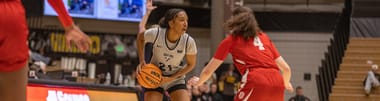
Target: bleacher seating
{"x":348,"y":85}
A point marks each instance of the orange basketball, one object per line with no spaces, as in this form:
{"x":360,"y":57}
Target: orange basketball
{"x":150,"y":76}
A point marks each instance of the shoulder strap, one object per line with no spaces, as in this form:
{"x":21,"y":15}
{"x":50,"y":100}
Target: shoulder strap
{"x":187,"y":41}
{"x":158,"y":32}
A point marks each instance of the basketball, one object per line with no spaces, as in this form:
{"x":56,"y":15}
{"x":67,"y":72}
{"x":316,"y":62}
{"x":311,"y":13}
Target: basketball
{"x":150,"y":76}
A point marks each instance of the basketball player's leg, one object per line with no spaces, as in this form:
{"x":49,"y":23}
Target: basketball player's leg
{"x":153,"y":94}
{"x":13,"y":85}
{"x":179,"y":93}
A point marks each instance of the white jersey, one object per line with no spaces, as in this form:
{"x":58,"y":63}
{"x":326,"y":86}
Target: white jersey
{"x":166,"y":55}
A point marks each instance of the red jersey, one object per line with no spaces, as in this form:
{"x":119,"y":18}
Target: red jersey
{"x":257,"y":52}
{"x":14,"y":32}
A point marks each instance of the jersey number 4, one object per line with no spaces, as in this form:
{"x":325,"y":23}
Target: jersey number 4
{"x":257,"y":42}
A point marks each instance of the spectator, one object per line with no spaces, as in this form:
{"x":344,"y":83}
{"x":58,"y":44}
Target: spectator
{"x":221,"y":83}
{"x":229,"y":78}
{"x":130,"y":80}
{"x":205,"y":92}
{"x":299,"y":95}
{"x":372,"y":79}
{"x":215,"y":95}
{"x":196,"y":94}
{"x":201,"y":93}
{"x":211,"y":80}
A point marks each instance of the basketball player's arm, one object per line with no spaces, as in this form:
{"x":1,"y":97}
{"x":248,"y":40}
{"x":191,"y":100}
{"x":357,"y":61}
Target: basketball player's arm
{"x":63,"y":16}
{"x":191,"y":58}
{"x":140,"y":47}
{"x":72,"y":32}
{"x":149,"y":9}
{"x":147,"y":36}
{"x":216,"y":61}
{"x":208,"y":70}
{"x":140,"y":36}
{"x":283,"y":66}
{"x":143,"y":22}
{"x":286,"y":72}
{"x":191,"y":61}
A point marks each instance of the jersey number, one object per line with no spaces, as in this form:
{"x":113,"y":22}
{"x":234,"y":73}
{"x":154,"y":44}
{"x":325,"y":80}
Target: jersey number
{"x":163,"y":67}
{"x":257,"y":42}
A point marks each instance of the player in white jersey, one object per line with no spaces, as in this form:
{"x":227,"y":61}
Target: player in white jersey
{"x":170,"y":46}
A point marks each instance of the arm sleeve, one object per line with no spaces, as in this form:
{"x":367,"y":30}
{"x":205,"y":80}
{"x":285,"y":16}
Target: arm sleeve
{"x":191,"y":47}
{"x":63,"y":16}
{"x":272,"y":47}
{"x":224,"y":48}
{"x":150,"y":35}
{"x":274,"y":50}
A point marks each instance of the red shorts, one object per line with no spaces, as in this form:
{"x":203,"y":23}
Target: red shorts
{"x":260,"y":84}
{"x":13,"y":36}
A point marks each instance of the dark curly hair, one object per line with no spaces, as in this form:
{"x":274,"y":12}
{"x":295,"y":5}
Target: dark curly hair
{"x":169,"y":15}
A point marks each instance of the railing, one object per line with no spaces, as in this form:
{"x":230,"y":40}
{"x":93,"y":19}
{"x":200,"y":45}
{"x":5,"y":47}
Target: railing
{"x":333,"y":58}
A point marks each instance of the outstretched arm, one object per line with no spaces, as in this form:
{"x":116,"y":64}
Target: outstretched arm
{"x":214,"y":63}
{"x":63,"y":15}
{"x":73,"y":33}
{"x":149,"y":9}
{"x":208,"y":70}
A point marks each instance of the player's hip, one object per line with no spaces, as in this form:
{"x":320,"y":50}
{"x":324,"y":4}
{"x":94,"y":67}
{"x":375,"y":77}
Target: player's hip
{"x":262,"y":77}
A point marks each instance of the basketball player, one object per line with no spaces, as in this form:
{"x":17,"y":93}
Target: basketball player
{"x":256,"y":58}
{"x":170,"y":46}
{"x":14,"y":49}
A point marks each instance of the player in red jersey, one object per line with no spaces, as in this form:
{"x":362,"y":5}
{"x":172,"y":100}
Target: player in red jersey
{"x":14,"y":49}
{"x":255,"y":57}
